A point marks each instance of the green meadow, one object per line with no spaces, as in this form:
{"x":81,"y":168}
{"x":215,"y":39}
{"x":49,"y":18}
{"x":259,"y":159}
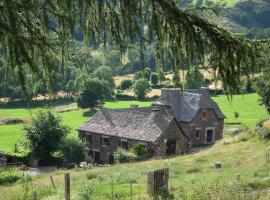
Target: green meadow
{"x":246,"y":105}
{"x":192,"y":176}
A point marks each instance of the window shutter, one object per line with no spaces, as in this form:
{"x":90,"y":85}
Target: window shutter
{"x":100,"y":139}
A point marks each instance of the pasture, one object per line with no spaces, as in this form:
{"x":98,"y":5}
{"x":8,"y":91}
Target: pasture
{"x":247,"y":105}
{"x":192,"y":176}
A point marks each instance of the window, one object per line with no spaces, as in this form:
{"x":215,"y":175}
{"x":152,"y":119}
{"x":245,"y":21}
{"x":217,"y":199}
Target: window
{"x":197,"y":134}
{"x":104,"y":141}
{"x":204,"y":114}
{"x":89,"y":139}
{"x":123,"y":144}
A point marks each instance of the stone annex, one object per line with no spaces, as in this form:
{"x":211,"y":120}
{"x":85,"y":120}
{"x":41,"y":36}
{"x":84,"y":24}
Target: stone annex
{"x":170,"y":126}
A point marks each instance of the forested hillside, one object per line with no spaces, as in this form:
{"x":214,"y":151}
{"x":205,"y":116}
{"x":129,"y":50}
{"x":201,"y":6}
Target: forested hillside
{"x":249,"y":17}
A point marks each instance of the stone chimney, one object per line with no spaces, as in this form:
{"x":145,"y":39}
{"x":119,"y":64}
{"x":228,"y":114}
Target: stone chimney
{"x":203,"y":90}
{"x":169,"y":95}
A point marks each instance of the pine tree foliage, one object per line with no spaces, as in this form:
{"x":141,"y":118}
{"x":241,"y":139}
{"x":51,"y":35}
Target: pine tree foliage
{"x":35,"y":35}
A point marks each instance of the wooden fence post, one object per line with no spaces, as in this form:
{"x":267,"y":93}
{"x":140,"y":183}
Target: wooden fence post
{"x":131,"y":190}
{"x":34,"y":195}
{"x":51,"y":178}
{"x":67,"y":186}
{"x":112,"y":191}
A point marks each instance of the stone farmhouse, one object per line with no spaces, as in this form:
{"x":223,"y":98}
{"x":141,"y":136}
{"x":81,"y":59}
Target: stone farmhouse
{"x":108,"y":129}
{"x":198,"y":115}
{"x":170,"y":126}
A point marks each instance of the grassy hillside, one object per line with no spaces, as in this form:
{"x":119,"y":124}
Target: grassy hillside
{"x":191,"y":176}
{"x":248,"y":17}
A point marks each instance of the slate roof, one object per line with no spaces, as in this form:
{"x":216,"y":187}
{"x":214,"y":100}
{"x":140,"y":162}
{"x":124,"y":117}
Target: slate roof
{"x":185,"y":105}
{"x":143,"y":124}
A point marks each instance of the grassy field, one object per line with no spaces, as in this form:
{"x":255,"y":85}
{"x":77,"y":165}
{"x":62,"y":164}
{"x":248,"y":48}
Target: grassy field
{"x":10,"y":134}
{"x":247,"y":105}
{"x":191,"y":176}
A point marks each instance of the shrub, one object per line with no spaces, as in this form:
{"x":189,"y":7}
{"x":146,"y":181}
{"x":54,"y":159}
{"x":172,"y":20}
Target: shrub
{"x":140,"y":150}
{"x":72,"y":150}
{"x":93,"y":90}
{"x":154,"y":78}
{"x":263,"y":133}
{"x":141,"y":87}
{"x":91,"y":175}
{"x":44,"y":135}
{"x":8,"y":176}
{"x":125,"y":84}
{"x":105,"y":73}
{"x":84,"y":192}
{"x":193,"y":170}
{"x":122,"y":155}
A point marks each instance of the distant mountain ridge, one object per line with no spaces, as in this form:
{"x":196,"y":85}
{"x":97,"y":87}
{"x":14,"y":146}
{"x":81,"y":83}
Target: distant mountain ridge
{"x":249,"y":17}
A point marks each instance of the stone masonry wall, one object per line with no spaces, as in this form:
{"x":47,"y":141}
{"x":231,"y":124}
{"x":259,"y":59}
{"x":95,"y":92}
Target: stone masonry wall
{"x":159,"y":147}
{"x":211,"y":121}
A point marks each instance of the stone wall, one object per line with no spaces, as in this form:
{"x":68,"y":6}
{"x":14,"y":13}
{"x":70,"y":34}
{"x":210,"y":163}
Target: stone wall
{"x":106,"y":151}
{"x":210,"y":122}
{"x":173,"y":132}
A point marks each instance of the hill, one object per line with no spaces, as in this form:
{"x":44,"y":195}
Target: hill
{"x":191,"y":176}
{"x":248,"y":17}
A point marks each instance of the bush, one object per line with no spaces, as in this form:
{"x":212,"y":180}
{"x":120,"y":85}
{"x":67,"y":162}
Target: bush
{"x":72,"y":150}
{"x":93,"y":90}
{"x":84,"y":192}
{"x":140,"y":150}
{"x":263,"y":133}
{"x":122,"y":155}
{"x":44,"y":134}
{"x":8,"y":176}
{"x":141,"y":87}
{"x":105,"y":73}
{"x":125,"y":84}
{"x":154,"y":78}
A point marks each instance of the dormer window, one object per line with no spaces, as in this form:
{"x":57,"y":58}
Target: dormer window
{"x":104,"y":141}
{"x":204,"y":114}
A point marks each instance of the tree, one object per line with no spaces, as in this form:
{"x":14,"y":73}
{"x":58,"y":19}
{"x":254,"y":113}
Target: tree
{"x":194,"y":79}
{"x":141,"y":87}
{"x":125,"y":84}
{"x":105,"y":73}
{"x":176,"y":80}
{"x":154,"y":78}
{"x":147,"y":73}
{"x":40,"y":44}
{"x":262,"y":87}
{"x":137,"y":75}
{"x":93,"y":90}
{"x":44,"y":134}
{"x":72,"y":150}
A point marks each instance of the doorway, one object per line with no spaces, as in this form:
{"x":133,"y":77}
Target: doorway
{"x":209,"y":135}
{"x":171,"y":147}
